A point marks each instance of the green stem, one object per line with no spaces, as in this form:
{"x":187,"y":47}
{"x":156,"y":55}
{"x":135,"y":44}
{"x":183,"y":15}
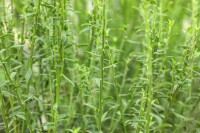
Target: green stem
{"x":60,"y":61}
{"x":117,"y":93}
{"x":3,"y":108}
{"x":15,"y":86}
{"x":189,"y":60}
{"x":148,"y":65}
{"x":102,"y":67}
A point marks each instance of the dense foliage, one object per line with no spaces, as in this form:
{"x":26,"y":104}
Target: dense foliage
{"x":106,"y":66}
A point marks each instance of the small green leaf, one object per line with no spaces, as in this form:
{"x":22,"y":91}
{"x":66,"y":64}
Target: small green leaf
{"x":28,"y":75}
{"x":48,"y":58}
{"x":55,"y":106}
{"x":171,"y":23}
{"x":84,"y":30}
{"x":88,"y":105}
{"x":21,"y":116}
{"x":67,"y":79}
{"x":103,"y":118}
{"x":62,"y":116}
{"x":97,"y":80}
{"x":7,"y":94}
{"x":64,"y":36}
{"x":13,"y":74}
{"x":76,"y":130}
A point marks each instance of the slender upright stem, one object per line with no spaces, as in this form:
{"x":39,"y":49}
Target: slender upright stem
{"x":15,"y":86}
{"x":189,"y":59}
{"x":60,"y":60}
{"x":3,"y":108}
{"x":148,"y":66}
{"x":102,"y":67}
{"x":117,"y":93}
{"x":33,"y":43}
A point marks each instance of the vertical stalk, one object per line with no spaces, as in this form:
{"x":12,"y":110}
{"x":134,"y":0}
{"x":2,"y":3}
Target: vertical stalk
{"x":189,"y":59}
{"x":83,"y":76}
{"x":53,"y":84}
{"x":149,"y":73}
{"x":22,"y":41}
{"x":4,"y":41}
{"x":15,"y":86}
{"x":190,"y":50}
{"x":147,"y":91}
{"x":3,"y":108}
{"x":192,"y":46}
{"x":93,"y":47}
{"x":161,"y":23}
{"x":117,"y":93}
{"x":60,"y":60}
{"x":82,"y":110}
{"x":93,"y":34}
{"x":33,"y":43}
{"x":20,"y":55}
{"x":102,"y":66}
{"x":55,"y":110}
{"x":142,"y":110}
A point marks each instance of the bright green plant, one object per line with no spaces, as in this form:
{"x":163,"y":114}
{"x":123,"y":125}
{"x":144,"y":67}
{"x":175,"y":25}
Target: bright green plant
{"x":111,"y":66}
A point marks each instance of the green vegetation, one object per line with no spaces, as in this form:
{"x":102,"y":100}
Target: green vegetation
{"x":99,"y":66}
